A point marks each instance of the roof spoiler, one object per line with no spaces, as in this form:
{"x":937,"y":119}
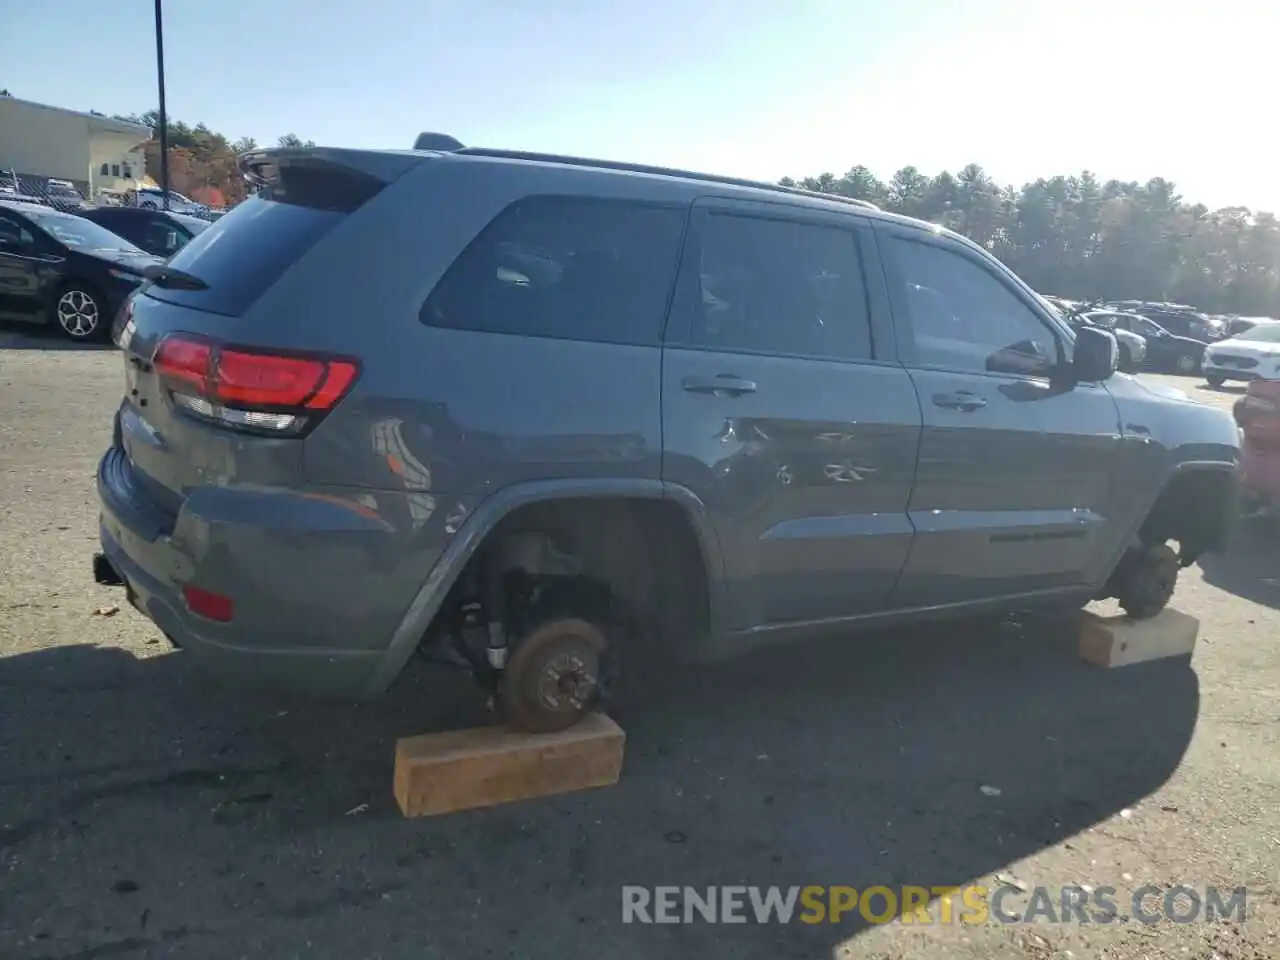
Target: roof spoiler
{"x":324,"y":177}
{"x":437,"y":141}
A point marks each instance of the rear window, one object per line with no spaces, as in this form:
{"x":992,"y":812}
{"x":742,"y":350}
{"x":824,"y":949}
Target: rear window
{"x":243,"y":253}
{"x":570,"y":268}
{"x":78,"y":233}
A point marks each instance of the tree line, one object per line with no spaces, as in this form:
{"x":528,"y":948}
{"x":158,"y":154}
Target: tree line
{"x":1079,"y":237}
{"x":202,"y":163}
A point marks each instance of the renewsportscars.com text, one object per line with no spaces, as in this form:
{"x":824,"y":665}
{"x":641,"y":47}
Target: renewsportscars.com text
{"x":929,"y":905}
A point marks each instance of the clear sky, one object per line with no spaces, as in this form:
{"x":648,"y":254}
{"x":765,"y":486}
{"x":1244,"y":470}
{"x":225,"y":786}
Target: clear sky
{"x":1130,"y":89}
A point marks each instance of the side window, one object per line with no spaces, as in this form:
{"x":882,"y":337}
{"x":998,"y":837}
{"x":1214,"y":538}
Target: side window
{"x":160,"y":237}
{"x":15,"y":238}
{"x":121,"y":226}
{"x":103,"y":170}
{"x":963,"y":318}
{"x":566,"y":267}
{"x":780,"y":287}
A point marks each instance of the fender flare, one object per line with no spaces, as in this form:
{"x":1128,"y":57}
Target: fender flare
{"x":491,"y":511}
{"x":1175,"y":470}
{"x":1230,"y":509}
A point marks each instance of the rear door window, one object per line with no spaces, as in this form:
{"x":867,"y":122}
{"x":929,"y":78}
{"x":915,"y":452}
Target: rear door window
{"x":245,"y":252}
{"x":570,"y":268}
{"x":780,"y":287}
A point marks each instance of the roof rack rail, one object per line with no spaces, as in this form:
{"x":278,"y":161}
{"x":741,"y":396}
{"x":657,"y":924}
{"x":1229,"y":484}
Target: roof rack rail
{"x":659,"y":171}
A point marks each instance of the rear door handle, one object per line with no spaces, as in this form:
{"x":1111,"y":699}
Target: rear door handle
{"x":960,"y":400}
{"x":724,"y":383}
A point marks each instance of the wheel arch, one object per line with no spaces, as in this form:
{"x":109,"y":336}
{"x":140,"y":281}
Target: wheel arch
{"x":1196,"y":505}
{"x":489,"y":516}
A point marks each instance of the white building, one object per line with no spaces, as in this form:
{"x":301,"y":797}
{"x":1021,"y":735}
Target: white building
{"x":40,"y":142}
{"x":119,"y":174}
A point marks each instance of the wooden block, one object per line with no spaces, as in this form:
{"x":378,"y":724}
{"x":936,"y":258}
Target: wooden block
{"x":462,"y":769}
{"x":1120,"y":641}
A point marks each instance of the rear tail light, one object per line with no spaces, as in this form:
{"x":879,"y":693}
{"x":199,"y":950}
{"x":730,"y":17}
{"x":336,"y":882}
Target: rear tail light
{"x":250,"y":389}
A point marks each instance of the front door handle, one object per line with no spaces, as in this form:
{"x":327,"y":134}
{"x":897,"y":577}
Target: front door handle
{"x":960,"y":400}
{"x":724,"y":384}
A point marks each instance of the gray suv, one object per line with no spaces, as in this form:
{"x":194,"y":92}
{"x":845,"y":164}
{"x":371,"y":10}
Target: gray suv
{"x":524,"y":411}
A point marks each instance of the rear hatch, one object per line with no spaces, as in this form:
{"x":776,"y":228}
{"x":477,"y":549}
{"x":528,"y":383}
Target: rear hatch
{"x":215,"y":392}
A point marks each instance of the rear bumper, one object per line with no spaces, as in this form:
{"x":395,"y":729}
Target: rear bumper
{"x":319,"y":588}
{"x":325,"y":673}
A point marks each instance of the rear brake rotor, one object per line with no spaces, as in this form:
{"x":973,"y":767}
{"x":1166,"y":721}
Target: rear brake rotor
{"x":553,"y":677}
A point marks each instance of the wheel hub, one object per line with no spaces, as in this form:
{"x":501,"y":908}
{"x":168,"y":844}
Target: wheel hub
{"x":553,"y":677}
{"x":567,"y":683}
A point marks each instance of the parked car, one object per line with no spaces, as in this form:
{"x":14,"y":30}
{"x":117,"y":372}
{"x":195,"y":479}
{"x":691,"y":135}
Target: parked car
{"x":62,"y":195}
{"x":1166,"y":352}
{"x":155,"y":231}
{"x":11,"y":195}
{"x":1062,"y":304}
{"x":150,"y":198}
{"x":1178,"y":318}
{"x":1132,"y":347}
{"x":60,"y":268}
{"x":524,"y":410}
{"x":1132,"y":350}
{"x":1238,"y":325}
{"x":1197,"y":326}
{"x":1251,"y":355}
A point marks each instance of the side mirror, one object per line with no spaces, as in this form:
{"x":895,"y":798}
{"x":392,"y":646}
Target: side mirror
{"x":1096,"y":355}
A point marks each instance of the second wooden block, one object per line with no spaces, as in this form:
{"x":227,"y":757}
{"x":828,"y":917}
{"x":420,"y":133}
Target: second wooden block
{"x":462,"y":769}
{"x":1119,"y":641}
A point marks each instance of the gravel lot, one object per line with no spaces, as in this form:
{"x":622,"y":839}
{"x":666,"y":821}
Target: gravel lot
{"x":147,"y":811}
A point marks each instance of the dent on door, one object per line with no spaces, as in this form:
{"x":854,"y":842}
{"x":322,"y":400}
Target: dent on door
{"x":806,"y":479}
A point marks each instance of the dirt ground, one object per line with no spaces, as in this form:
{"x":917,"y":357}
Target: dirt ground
{"x":146,"y":811}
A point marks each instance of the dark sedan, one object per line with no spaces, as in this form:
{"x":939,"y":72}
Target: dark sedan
{"x":159,"y":232}
{"x":62,"y":269}
{"x":1194,"y":326}
{"x":1166,"y":352}
{"x":1179,"y":319}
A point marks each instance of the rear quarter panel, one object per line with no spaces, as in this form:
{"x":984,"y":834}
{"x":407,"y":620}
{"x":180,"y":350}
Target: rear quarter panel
{"x":460,"y":413}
